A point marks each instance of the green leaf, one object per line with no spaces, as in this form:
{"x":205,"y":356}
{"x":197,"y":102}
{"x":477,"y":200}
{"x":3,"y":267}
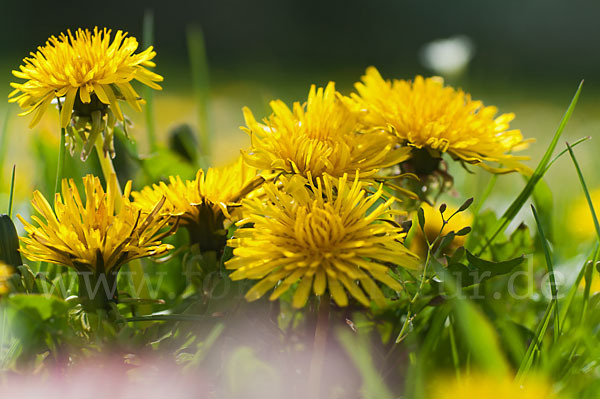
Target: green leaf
{"x":46,"y":306}
{"x":496,"y":267}
{"x":40,"y":322}
{"x":421,"y":218}
{"x":9,"y":242}
{"x":479,"y":270}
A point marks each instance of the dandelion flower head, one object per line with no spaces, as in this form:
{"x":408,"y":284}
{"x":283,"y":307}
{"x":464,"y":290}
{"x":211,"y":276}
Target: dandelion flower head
{"x":204,"y":205}
{"x":318,"y":137}
{"x":88,"y":73}
{"x":94,"y":234}
{"x":425,"y":114}
{"x":325,"y":236}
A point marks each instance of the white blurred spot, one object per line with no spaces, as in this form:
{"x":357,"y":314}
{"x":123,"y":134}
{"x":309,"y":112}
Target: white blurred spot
{"x":448,"y":57}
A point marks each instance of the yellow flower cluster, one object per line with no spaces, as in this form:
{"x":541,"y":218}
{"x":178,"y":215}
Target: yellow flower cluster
{"x":308,"y":227}
{"x":313,"y":232}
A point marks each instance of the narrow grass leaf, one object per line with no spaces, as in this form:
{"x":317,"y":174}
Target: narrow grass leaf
{"x":204,"y":347}
{"x":585,"y":190}
{"x":168,"y":317}
{"x":563,"y":152}
{"x":358,"y":350}
{"x":536,"y":342}
{"x":12,"y":191}
{"x":478,"y":333}
{"x":539,"y":172}
{"x":573,"y":290}
{"x":549,"y":264}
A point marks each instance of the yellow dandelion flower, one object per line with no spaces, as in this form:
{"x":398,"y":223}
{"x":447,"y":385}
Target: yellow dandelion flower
{"x":205,"y":203}
{"x":319,"y":137}
{"x":88,"y":74}
{"x":433,"y":227}
{"x":94,"y":235}
{"x":580,"y":221}
{"x":325,"y":236}
{"x":5,"y":272}
{"x":594,"y":286}
{"x":425,"y":114}
{"x":478,"y":386}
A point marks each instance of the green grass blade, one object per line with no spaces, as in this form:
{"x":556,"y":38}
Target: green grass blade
{"x":148,"y":40}
{"x":478,"y":333}
{"x":454,"y":349}
{"x":357,"y":348}
{"x":168,"y":317}
{"x":12,"y":191}
{"x":417,"y":376}
{"x":536,"y":342}
{"x":205,"y":346}
{"x":573,"y":290}
{"x":549,"y":264}
{"x":585,"y":190}
{"x":539,"y":172}
{"x":3,"y":145}
{"x":200,"y":84}
{"x":563,"y":152}
{"x":589,"y":274}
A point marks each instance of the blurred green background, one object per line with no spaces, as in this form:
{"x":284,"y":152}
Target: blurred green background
{"x":527,"y":58}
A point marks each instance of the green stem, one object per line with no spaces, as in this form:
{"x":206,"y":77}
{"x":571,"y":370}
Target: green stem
{"x":60,"y":167}
{"x":318,"y":355}
{"x":107,"y":168}
{"x":135,"y":266}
